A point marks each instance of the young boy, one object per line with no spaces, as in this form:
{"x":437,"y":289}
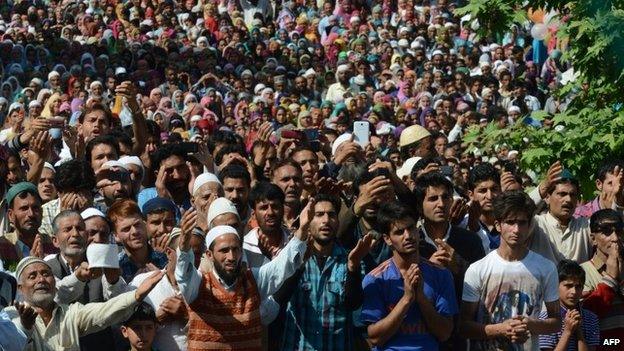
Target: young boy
{"x":579,"y":327}
{"x":140,"y":328}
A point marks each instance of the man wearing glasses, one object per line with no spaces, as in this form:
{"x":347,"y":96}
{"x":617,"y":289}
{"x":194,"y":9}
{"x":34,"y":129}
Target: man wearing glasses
{"x":604,"y":290}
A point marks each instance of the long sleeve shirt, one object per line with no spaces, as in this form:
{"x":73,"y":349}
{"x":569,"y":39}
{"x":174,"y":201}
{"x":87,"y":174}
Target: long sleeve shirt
{"x":269,"y":277}
{"x":70,"y":322}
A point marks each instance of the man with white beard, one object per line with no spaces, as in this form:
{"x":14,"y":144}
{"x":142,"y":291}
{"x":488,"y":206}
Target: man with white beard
{"x":52,"y":326}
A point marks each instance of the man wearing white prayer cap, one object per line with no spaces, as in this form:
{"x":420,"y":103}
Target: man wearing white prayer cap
{"x":97,"y":226}
{"x":223,"y":212}
{"x":134,"y":165}
{"x":231,"y":280}
{"x":336,"y":92}
{"x":65,"y":324}
{"x":206,"y":189}
{"x":45,"y":187}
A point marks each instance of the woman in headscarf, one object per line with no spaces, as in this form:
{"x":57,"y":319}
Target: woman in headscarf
{"x":156,"y":95}
{"x":6,"y":90}
{"x":43,"y":96}
{"x":162,"y":120}
{"x":52,"y":106}
{"x":177,"y":101}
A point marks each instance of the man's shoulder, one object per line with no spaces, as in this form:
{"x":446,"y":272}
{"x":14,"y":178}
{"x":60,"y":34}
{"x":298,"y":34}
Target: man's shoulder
{"x":380,"y":272}
{"x":464,"y":235}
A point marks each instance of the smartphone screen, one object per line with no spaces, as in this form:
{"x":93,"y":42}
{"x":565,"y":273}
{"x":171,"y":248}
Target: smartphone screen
{"x":361,"y":133}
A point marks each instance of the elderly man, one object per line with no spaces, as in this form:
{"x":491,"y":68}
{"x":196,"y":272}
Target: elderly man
{"x":206,"y":189}
{"x":231,"y":281}
{"x":76,"y":281}
{"x":53,"y":326}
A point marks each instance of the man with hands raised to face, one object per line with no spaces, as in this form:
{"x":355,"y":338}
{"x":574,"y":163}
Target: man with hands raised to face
{"x":232,"y":284}
{"x":408,"y":303}
{"x":504,"y":292}
{"x":58,"y":326}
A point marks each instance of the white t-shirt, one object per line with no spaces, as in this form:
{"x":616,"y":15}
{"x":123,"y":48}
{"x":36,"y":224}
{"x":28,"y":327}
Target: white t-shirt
{"x":507,"y":289}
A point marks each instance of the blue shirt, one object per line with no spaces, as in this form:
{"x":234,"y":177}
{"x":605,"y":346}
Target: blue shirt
{"x":129,"y":269}
{"x":383,"y":288}
{"x":317,"y":317}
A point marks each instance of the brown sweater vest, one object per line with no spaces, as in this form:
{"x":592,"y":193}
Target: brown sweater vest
{"x":224,"y":320}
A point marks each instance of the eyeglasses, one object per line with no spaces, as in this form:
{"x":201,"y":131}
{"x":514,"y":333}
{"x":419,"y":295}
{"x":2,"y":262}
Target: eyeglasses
{"x":609,"y":228}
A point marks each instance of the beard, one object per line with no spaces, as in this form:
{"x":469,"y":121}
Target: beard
{"x":349,"y":172}
{"x":42,"y":300}
{"x":228,"y":277}
{"x":74,"y":252}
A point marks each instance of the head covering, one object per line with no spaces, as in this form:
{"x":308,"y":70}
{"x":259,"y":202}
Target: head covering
{"x":158,"y":203}
{"x":221,"y":206}
{"x":92,"y":212}
{"x":49,"y":166}
{"x":20,"y":188}
{"x":131,"y":160}
{"x":204,"y":178}
{"x":27,"y":261}
{"x":413,"y":134}
{"x":406,"y":168}
{"x":339,"y":140}
{"x":217,"y":232}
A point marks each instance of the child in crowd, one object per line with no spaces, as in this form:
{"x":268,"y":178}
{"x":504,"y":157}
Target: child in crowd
{"x":140,"y":328}
{"x":579,"y":326}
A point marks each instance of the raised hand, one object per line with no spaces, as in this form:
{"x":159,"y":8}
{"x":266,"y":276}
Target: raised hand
{"x":572,"y":321}
{"x":147,"y":285}
{"x":361,"y":249}
{"x":347,"y":150}
{"x":85,"y":274}
{"x":160,"y":244}
{"x":161,"y":183}
{"x":458,"y":211}
{"x":410,"y":282}
{"x":371,"y":192}
{"x":609,"y":197}
{"x":174,"y":307}
{"x":188,"y":222}
{"x":304,"y":220}
{"x":553,"y":175}
{"x":509,"y":183}
{"x":37,"y":247}
{"x":27,"y":314}
{"x":264,"y":131}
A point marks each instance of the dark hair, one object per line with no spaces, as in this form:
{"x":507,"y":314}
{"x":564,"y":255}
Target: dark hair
{"x":303,"y":148}
{"x":265,"y":191}
{"x":284,"y":163}
{"x":165,"y":152}
{"x":142,"y":312}
{"x":367,"y":176}
{"x":422,"y":164}
{"x":513,"y":202}
{"x":100,"y":139}
{"x":74,"y":175}
{"x":229,"y":149}
{"x":390,"y":212}
{"x":553,"y":185}
{"x":569,"y":269}
{"x":431,"y":179}
{"x":607,"y":167}
{"x":96,"y":107}
{"x":481,"y":173}
{"x":334,"y":200}
{"x":601,"y":216}
{"x":221,"y":137}
{"x":123,"y":136}
{"x":235,"y":171}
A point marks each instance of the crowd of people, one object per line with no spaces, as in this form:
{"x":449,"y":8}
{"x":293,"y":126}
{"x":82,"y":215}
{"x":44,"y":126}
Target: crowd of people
{"x":263,"y":175}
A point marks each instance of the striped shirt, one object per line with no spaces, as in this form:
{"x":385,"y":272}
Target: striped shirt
{"x":590,"y":325}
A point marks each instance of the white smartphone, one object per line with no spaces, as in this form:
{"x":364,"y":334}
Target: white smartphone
{"x":361,"y":133}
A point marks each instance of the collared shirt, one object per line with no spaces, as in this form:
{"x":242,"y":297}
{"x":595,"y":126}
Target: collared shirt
{"x":50,"y":209}
{"x":556,"y":242}
{"x":588,"y":209}
{"x":316,"y":316}
{"x":255,"y":257}
{"x":129,"y":269}
{"x":591,"y":331}
{"x":490,"y":239}
{"x":429,"y":240}
{"x":269,"y":278}
{"x":336,"y":93}
{"x":70,"y":322}
{"x":383,"y":288}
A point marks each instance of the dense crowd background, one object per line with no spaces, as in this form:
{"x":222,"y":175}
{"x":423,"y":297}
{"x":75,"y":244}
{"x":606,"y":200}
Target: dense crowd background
{"x":261,"y":175}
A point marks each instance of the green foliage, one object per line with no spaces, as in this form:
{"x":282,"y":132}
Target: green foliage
{"x":594,"y":121}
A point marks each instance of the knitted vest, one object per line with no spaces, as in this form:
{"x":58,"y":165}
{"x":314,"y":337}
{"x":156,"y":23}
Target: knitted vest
{"x":225,"y":320}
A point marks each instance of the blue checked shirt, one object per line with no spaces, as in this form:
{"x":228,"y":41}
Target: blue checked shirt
{"x":317,"y":317}
{"x":129,"y":269}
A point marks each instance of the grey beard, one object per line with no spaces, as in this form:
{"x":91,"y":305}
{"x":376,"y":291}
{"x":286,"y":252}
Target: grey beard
{"x":42,"y":300}
{"x":72,"y":252}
